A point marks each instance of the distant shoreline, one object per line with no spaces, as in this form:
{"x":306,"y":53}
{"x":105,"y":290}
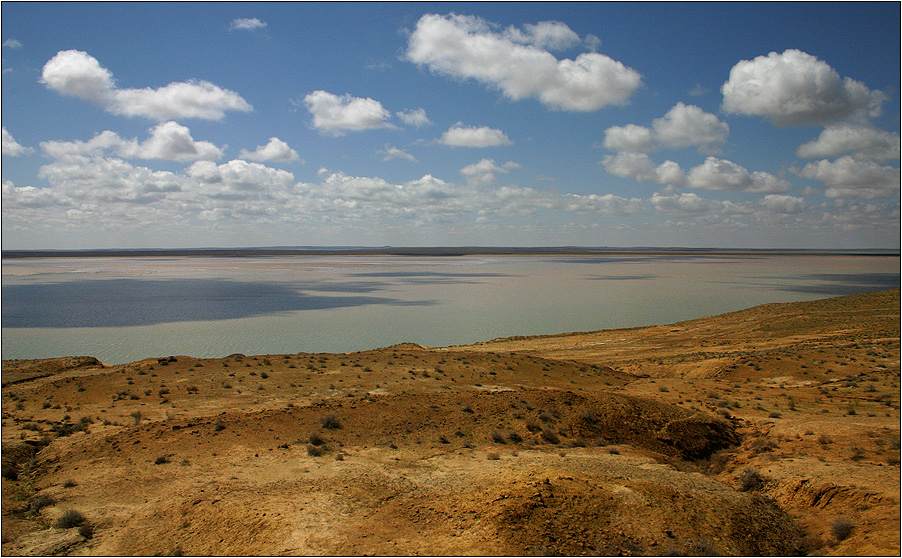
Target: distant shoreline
{"x":450,"y":251}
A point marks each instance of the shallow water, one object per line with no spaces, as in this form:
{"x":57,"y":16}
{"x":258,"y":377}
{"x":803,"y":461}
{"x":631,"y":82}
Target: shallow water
{"x":125,"y":309}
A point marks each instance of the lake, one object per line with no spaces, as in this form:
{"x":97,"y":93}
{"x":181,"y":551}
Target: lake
{"x":128,"y":308}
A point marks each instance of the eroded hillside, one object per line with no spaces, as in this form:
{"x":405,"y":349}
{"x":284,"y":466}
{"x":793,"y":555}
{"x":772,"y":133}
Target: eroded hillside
{"x":773,"y":430}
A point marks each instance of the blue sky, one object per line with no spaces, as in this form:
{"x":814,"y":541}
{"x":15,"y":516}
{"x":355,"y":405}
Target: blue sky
{"x":599,"y":124}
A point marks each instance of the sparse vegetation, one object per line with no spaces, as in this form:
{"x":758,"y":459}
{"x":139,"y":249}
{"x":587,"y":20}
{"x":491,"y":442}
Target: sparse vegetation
{"x":330,"y":421}
{"x":39,"y":502}
{"x":550,"y":436}
{"x":316,"y":451}
{"x":750,"y":479}
{"x":841,"y":528}
{"x":69,"y":519}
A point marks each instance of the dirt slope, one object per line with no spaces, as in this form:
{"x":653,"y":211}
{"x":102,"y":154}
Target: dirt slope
{"x":769,"y":431}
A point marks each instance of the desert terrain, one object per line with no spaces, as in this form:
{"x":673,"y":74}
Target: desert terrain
{"x":769,"y":431}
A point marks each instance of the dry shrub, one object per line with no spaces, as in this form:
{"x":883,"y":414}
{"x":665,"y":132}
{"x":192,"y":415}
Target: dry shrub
{"x":841,"y":528}
{"x":40,"y":501}
{"x":69,"y":519}
{"x":549,"y":436}
{"x":750,"y":479}
{"x":315,"y":451}
{"x":330,"y":421}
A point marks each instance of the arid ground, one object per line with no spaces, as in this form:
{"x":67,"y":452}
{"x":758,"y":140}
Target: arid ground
{"x":769,"y":431}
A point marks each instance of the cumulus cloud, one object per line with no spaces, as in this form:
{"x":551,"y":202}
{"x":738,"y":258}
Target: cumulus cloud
{"x":862,"y":142}
{"x":29,"y":197}
{"x":168,"y":140}
{"x":99,"y":180}
{"x":414,"y":117}
{"x":848,"y":177}
{"x":391,"y":152}
{"x":682,"y":126}
{"x":11,"y":147}
{"x":335,"y":115}
{"x":548,"y":35}
{"x":78,"y":74}
{"x":721,"y":174}
{"x":689,"y":126}
{"x":274,"y":150}
{"x":484,"y":172}
{"x":795,"y":88}
{"x":473,"y":136}
{"x":629,"y":164}
{"x":783,"y":204}
{"x":517,"y":62}
{"x":246,"y":24}
{"x":631,"y":137}
{"x":239,"y":180}
{"x":605,"y":203}
{"x":713,"y":174}
{"x":12,"y":43}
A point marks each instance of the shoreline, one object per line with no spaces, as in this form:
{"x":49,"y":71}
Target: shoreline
{"x":440,"y":251}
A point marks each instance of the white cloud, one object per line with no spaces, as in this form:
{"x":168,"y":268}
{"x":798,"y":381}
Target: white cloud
{"x":684,"y":203}
{"x":862,"y":142}
{"x":11,"y":147}
{"x":414,"y":117}
{"x":12,"y":43}
{"x":240,"y":180}
{"x":629,"y":164}
{"x":631,"y":138}
{"x":514,"y":62}
{"x":76,"y":73}
{"x":247,"y":24}
{"x":274,"y":150}
{"x":473,"y":136}
{"x":172,"y":141}
{"x":336,"y":115}
{"x":391,"y":152}
{"x":168,"y":140}
{"x":795,"y":88}
{"x":16,"y":197}
{"x":783,"y":204}
{"x":721,"y":174}
{"x":689,"y":126}
{"x":682,"y":126}
{"x":548,"y":35}
{"x":606,"y":203}
{"x":483,"y":173}
{"x":713,"y":174}
{"x":852,"y":178}
{"x":98,"y":180}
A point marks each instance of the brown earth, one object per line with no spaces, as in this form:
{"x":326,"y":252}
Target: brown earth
{"x":769,"y":431}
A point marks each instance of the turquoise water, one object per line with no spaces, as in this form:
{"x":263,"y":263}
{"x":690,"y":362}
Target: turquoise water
{"x":125,"y":309}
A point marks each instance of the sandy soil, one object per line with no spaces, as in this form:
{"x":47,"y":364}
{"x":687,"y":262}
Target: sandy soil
{"x":769,"y":431}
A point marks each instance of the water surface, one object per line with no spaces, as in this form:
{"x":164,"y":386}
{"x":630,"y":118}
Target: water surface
{"x":125,"y":309}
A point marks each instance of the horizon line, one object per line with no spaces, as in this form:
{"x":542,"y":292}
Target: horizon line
{"x":388,"y":250}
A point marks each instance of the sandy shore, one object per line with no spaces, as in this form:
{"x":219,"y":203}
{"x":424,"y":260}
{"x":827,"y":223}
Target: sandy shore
{"x":769,"y":431}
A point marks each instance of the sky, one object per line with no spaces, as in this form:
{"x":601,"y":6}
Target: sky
{"x":171,"y":124}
